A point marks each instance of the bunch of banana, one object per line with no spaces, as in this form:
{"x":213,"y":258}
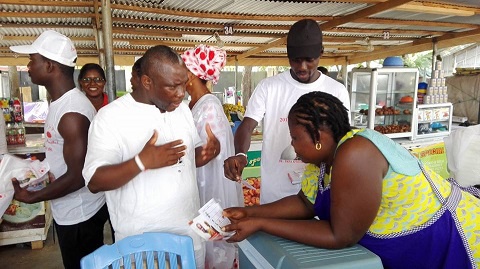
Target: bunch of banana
{"x":232,"y":109}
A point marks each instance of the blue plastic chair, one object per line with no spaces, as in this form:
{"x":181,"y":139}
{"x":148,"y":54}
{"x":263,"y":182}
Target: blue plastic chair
{"x":148,"y":250}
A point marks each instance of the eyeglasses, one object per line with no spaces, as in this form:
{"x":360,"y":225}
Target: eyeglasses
{"x":96,"y":80}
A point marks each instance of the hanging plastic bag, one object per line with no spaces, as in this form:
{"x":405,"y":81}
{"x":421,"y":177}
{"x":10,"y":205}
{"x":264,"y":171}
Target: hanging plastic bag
{"x":463,"y":146}
{"x":31,"y":174}
{"x":6,"y":192}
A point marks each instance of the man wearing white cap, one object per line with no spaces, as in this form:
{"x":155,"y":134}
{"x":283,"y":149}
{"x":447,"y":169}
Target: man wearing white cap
{"x":79,"y":215}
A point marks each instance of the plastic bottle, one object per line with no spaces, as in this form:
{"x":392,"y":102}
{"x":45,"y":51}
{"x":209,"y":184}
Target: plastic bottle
{"x":17,"y":110}
{"x":11,"y":135}
{"x":14,"y":133}
{"x":20,"y":138}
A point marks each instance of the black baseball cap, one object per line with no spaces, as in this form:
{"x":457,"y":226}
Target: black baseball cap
{"x":304,"y":40}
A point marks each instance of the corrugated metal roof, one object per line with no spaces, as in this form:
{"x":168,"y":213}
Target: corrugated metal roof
{"x":138,"y":25}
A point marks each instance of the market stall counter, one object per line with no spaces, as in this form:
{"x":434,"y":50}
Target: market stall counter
{"x":34,"y":144}
{"x":22,"y":222}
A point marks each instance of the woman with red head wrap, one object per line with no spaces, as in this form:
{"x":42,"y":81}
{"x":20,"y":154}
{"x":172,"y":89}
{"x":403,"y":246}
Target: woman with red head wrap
{"x":205,"y":63}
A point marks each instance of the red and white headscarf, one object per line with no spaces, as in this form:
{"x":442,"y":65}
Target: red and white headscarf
{"x":205,"y":61}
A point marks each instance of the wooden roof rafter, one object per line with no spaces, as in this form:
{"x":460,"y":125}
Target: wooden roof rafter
{"x":259,"y":33}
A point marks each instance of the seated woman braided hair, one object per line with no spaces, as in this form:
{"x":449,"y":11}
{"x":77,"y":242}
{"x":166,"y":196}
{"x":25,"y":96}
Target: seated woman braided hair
{"x":366,"y":189}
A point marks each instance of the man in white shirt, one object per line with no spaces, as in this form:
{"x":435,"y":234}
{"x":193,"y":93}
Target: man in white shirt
{"x":271,"y":101}
{"x":143,"y":150}
{"x":79,"y":215}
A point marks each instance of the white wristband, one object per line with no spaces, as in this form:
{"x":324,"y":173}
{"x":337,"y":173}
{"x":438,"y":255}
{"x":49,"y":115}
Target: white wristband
{"x":242,"y":154}
{"x":139,"y":163}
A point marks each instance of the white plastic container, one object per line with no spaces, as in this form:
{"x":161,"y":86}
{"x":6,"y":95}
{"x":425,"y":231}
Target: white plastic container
{"x":265,"y":251}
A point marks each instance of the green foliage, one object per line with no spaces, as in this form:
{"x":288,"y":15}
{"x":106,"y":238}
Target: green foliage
{"x":421,"y":60}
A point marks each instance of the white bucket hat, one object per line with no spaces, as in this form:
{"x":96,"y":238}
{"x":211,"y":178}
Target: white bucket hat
{"x":51,"y":45}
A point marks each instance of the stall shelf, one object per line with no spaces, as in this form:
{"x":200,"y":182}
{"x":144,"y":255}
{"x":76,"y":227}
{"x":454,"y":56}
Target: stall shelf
{"x":34,"y":144}
{"x":32,"y":227}
{"x":433,"y":120}
{"x":384,"y":99}
{"x":33,"y":231}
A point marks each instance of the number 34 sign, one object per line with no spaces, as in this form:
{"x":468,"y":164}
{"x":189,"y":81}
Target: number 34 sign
{"x":228,"y":29}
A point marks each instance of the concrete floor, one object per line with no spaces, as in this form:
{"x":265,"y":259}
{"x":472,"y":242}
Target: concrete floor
{"x":21,"y":256}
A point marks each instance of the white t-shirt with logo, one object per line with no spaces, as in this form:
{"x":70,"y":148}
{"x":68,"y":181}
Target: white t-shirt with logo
{"x":79,"y":205}
{"x":271,"y":101}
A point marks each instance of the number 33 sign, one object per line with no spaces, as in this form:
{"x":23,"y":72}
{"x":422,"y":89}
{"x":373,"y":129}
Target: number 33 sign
{"x":228,"y":29}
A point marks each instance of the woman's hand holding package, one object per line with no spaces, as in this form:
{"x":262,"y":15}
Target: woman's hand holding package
{"x":235,"y":213}
{"x":242,"y":225}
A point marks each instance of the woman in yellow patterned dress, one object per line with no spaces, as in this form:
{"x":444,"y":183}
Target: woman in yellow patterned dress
{"x":366,"y":189}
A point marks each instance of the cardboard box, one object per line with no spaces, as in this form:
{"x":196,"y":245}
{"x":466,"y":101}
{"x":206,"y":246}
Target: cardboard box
{"x":265,"y":251}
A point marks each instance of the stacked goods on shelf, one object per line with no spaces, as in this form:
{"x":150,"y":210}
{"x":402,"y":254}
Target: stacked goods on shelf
{"x":15,"y":134}
{"x":437,"y":92}
{"x":13,"y":116}
{"x":396,"y":127}
{"x":387,"y":97}
{"x":434,"y":119}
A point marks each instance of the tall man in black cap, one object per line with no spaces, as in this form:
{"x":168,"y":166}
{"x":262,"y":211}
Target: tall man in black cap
{"x":272,"y":99}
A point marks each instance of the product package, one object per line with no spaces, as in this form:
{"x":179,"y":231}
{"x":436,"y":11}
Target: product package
{"x":31,"y":174}
{"x":208,"y":224}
